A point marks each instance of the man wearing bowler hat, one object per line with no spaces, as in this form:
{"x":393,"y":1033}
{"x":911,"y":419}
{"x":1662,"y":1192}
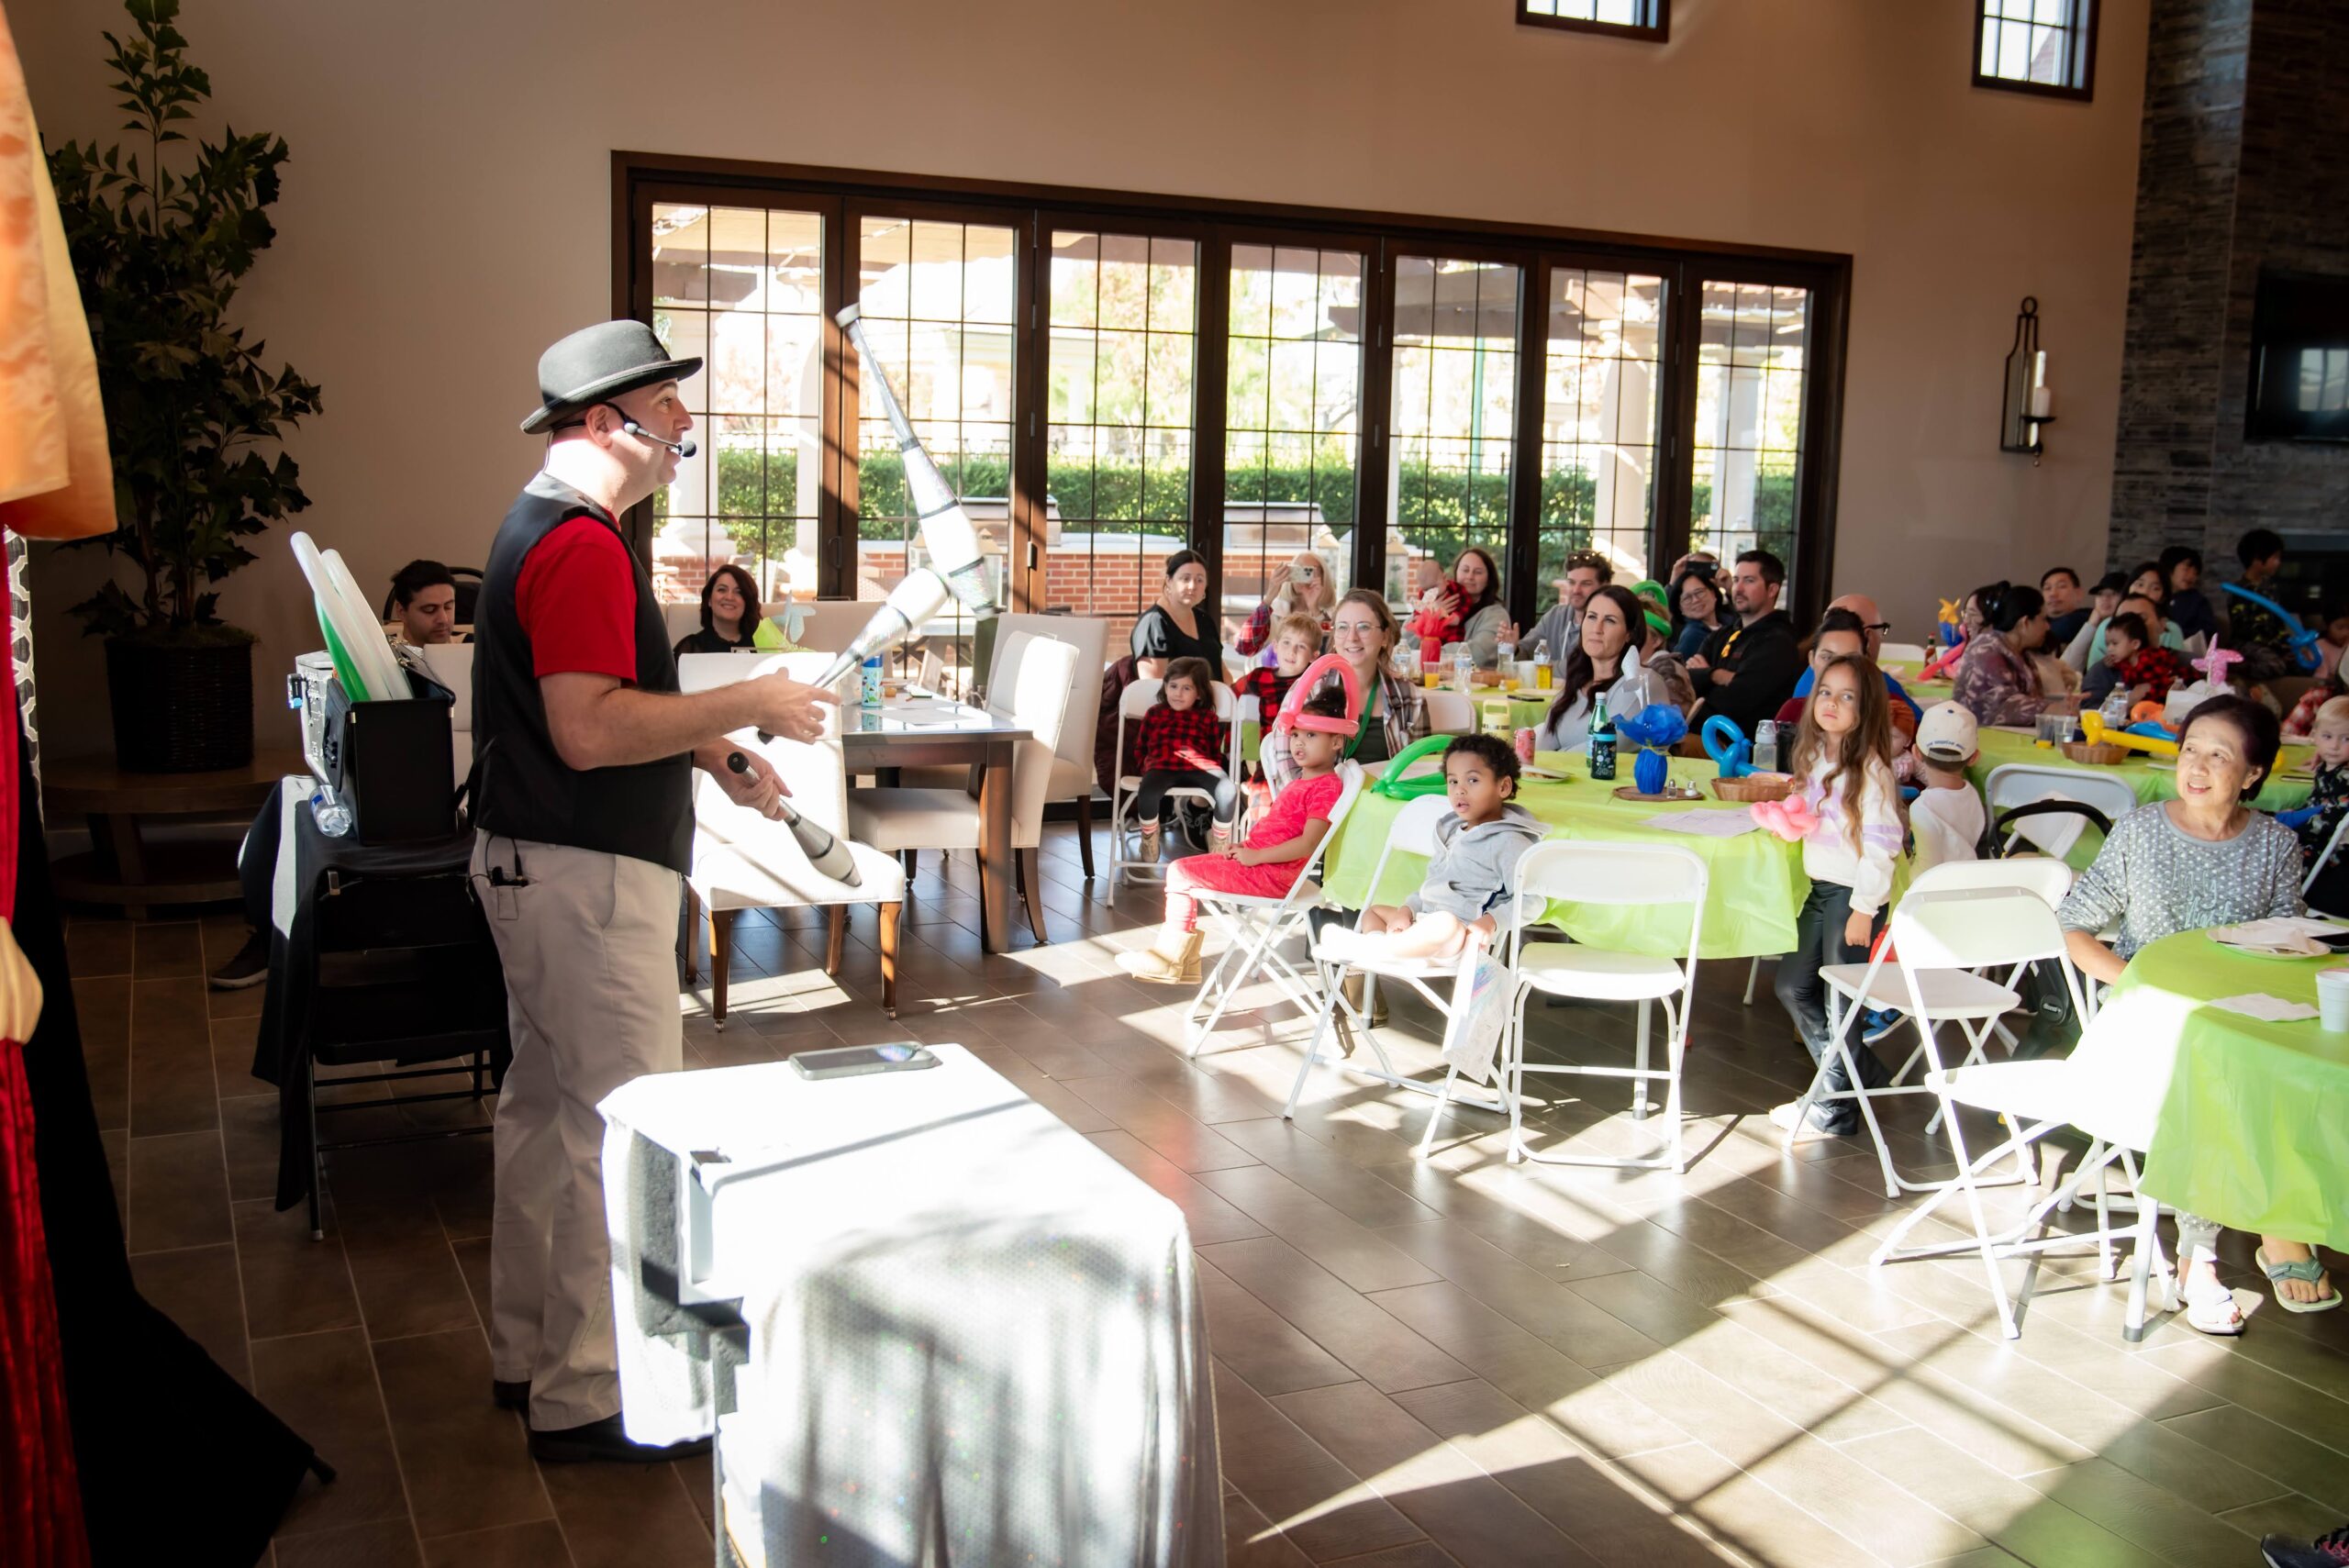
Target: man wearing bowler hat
{"x":583,"y":753}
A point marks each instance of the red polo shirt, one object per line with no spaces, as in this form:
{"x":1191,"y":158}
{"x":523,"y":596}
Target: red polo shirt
{"x":575,"y":597}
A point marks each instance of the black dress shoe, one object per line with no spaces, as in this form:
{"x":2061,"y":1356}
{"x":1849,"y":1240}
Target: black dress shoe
{"x":511,"y":1396}
{"x":606,"y":1442}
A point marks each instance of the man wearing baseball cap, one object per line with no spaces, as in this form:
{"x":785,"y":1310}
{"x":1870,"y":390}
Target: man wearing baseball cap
{"x":583,"y":753}
{"x":1947,"y":818}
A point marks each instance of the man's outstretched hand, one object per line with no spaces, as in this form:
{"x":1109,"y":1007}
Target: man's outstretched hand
{"x":789,"y":709}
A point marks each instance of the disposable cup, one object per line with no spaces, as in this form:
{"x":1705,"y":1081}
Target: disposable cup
{"x":2333,"y":1000}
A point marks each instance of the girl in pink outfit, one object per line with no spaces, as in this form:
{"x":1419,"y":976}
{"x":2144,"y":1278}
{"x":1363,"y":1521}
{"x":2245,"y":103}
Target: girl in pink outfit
{"x":1278,"y":846}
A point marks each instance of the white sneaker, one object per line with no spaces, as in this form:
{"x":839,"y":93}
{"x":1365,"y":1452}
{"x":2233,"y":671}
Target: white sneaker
{"x":1783,"y":1117}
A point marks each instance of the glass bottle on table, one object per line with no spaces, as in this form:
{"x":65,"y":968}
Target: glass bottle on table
{"x":1602,"y":739}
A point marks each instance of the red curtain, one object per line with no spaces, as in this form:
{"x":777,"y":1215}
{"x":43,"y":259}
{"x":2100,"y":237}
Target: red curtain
{"x":40,"y":1503}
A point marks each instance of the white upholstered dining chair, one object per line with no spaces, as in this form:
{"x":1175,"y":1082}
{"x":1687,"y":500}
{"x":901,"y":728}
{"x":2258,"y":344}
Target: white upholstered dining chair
{"x":742,"y":860}
{"x":1032,"y":677}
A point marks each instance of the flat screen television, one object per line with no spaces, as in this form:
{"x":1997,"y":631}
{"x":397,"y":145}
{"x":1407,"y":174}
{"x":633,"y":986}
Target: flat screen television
{"x":2300,"y":359}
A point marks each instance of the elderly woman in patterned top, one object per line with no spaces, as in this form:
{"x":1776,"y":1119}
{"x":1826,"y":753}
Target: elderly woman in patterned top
{"x":2205,"y":859}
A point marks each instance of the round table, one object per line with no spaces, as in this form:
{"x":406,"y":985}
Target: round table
{"x":1755,"y":888}
{"x":2243,"y":1122}
{"x":2146,"y":775}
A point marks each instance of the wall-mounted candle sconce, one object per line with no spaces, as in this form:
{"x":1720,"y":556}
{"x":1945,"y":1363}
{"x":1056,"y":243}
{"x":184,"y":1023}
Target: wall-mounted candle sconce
{"x":2027,"y":406}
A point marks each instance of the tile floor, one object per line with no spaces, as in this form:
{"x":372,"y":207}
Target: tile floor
{"x":1448,"y":1362}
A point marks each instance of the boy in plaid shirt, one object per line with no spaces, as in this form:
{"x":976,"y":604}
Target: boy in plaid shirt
{"x":1182,"y":747}
{"x":2136,"y":663}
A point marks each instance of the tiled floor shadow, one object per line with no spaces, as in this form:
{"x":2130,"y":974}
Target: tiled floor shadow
{"x":1448,"y":1360}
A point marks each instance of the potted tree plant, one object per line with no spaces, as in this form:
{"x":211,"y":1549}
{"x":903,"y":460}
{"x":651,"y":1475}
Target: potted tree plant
{"x":195,"y":418}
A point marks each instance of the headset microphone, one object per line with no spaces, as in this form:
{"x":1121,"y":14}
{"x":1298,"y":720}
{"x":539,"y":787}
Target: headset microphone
{"x":684,"y":448}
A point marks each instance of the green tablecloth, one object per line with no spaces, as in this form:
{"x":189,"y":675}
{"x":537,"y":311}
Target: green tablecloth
{"x":1755,"y":889}
{"x":2000,"y":747}
{"x":2244,"y":1121}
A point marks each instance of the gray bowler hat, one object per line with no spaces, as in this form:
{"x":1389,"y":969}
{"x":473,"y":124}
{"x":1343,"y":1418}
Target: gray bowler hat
{"x":600,"y":361}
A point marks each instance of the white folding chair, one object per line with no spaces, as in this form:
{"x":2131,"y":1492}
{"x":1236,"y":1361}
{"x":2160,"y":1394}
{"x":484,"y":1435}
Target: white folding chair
{"x":2332,"y":846}
{"x":1260,"y":924}
{"x":2026,"y":783}
{"x":1901,"y":653}
{"x":1449,"y":712}
{"x":1961,"y":994}
{"x":1553,"y":875}
{"x":2033,"y":1098}
{"x":1412,"y":833}
{"x":1125,"y":833}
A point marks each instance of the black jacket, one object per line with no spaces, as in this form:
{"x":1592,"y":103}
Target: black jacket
{"x":1767,"y":664}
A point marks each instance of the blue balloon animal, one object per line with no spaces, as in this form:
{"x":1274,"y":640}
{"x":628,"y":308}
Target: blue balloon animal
{"x":1727,"y":745}
{"x":1648,"y":732}
{"x":2304,"y":641}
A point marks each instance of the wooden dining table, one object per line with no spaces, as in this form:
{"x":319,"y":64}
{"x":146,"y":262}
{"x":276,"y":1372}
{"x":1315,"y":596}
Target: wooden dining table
{"x":938,"y":733}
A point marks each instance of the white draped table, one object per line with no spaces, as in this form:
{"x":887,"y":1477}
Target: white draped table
{"x":926,"y":1322}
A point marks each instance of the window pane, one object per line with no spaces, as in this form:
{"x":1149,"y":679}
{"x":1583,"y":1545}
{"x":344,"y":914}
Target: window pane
{"x":1748,"y":432}
{"x":1454,"y":414}
{"x":742,"y":286}
{"x":1118,"y":451}
{"x":1291,"y":452}
{"x":1635,"y":14}
{"x":936,"y":301}
{"x":1601,"y":394}
{"x":2036,"y":43}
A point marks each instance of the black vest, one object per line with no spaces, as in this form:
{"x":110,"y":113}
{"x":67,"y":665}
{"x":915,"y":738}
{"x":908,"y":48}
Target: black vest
{"x":521,"y":787}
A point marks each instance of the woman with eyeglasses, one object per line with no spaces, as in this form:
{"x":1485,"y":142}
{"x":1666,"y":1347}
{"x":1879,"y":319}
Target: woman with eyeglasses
{"x":1696,"y":608}
{"x":1363,"y":632}
{"x":1299,"y":585}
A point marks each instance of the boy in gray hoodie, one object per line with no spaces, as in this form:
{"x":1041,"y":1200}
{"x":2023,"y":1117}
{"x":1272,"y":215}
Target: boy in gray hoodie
{"x":1470,"y":891}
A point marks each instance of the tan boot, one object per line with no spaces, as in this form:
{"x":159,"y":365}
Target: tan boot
{"x":1172,"y":958}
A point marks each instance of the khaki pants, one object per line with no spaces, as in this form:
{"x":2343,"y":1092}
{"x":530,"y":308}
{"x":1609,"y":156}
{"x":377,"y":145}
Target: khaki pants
{"x":589,"y":946}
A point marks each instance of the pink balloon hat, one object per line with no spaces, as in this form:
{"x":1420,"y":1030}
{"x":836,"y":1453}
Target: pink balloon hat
{"x":1292,"y":714}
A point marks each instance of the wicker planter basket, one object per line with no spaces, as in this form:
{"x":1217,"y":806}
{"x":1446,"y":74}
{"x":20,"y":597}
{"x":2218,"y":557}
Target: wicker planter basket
{"x":1754,"y":787}
{"x":181,"y":710}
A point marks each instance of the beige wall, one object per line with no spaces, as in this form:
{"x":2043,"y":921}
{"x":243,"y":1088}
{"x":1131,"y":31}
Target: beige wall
{"x":446,"y":209}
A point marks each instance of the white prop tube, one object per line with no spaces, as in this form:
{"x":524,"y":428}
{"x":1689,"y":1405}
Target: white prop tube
{"x":360,"y":634}
{"x":385,"y":677}
{"x":946,"y":529}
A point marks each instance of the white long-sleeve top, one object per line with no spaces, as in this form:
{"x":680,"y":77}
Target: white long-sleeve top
{"x":1827,"y":851}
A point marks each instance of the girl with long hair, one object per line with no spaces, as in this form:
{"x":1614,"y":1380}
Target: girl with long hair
{"x":1842,"y":767}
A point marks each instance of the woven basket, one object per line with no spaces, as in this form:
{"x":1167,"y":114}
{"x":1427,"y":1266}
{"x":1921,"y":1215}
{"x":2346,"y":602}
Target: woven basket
{"x":2103,"y":752}
{"x":181,"y":710}
{"x":1754,"y":787}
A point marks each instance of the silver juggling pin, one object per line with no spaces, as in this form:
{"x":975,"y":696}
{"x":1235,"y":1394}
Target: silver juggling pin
{"x":828,"y":855}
